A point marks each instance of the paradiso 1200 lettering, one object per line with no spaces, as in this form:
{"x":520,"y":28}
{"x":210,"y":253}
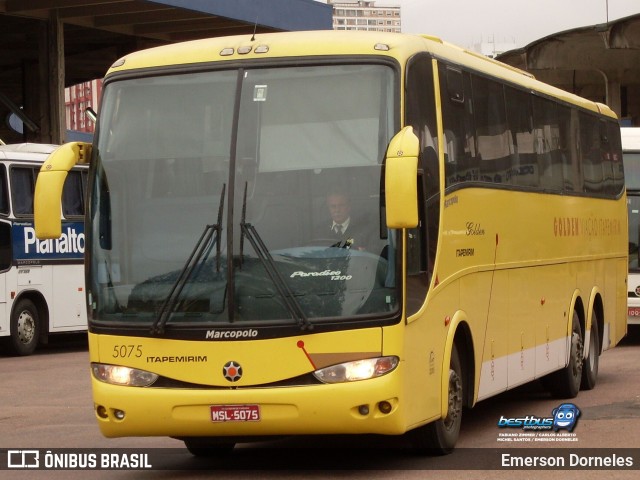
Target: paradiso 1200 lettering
{"x":334,"y":275}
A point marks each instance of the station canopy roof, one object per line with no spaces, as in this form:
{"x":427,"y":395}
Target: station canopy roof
{"x":600,"y":62}
{"x":98,"y":32}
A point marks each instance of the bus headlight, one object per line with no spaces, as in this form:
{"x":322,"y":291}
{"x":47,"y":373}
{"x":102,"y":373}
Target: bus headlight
{"x":357,"y":370}
{"x":118,"y":375}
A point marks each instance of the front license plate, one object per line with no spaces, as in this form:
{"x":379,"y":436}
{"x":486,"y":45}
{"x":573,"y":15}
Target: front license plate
{"x":633,"y":312}
{"x":235,"y":413}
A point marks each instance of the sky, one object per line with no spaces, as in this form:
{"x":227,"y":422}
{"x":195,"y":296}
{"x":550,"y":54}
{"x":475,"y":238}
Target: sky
{"x":467,"y":22}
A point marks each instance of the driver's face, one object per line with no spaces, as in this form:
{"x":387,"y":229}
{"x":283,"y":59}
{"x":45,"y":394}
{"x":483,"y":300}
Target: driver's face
{"x":339,"y":207}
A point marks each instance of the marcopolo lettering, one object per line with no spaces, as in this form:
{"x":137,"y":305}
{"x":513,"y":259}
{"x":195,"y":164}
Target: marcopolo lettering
{"x":69,"y":242}
{"x":231,"y":334}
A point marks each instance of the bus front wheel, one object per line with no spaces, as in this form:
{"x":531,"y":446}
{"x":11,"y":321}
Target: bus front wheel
{"x":25,"y":328}
{"x":440,"y":437}
{"x":205,"y":447}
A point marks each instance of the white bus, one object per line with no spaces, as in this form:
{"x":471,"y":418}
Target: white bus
{"x":631,"y":153}
{"x":41,"y":281}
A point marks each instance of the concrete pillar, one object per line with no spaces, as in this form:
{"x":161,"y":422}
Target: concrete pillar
{"x":614,"y":94}
{"x":56,"y":92}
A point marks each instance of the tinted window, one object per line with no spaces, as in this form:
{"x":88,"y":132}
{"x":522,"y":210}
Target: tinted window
{"x":498,"y":134}
{"x":524,"y":168}
{"x":461,"y":162}
{"x":546,"y":133}
{"x":4,"y":191}
{"x":492,"y":136}
{"x":592,"y":153}
{"x":73,"y":194}
{"x":22,"y":187}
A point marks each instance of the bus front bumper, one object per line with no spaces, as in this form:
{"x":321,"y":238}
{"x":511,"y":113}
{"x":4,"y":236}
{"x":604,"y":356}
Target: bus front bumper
{"x":370,"y":406}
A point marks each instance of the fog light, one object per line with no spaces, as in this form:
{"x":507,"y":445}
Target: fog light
{"x":363,"y":410}
{"x":119,"y":414}
{"x":101,"y":411}
{"x":384,"y":407}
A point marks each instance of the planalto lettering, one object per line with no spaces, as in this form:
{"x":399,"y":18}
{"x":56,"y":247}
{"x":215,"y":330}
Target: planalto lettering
{"x":69,"y":242}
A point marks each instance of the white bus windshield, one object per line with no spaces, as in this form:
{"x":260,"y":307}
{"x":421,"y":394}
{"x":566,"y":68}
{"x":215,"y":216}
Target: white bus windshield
{"x":217,"y":197}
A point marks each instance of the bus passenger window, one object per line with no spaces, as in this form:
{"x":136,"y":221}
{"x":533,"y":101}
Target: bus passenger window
{"x":495,"y":144}
{"x":547,"y":144}
{"x":72,"y":195}
{"x":524,"y":168}
{"x":461,"y":161}
{"x":592,"y":154}
{"x":23,"y":184}
{"x":4,"y":196}
{"x":5,"y":246}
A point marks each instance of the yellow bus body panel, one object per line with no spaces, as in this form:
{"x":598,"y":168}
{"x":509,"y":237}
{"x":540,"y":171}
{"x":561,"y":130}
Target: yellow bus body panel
{"x":185,"y":411}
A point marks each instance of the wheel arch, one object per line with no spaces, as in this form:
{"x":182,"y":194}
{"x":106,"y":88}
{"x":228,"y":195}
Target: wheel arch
{"x":460,"y":336}
{"x":577,"y":306}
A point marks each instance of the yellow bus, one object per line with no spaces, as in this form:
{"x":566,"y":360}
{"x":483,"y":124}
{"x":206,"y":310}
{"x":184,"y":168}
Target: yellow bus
{"x":482,"y":243}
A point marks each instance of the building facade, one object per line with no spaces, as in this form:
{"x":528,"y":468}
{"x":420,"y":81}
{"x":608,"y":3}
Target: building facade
{"x":365,"y":15}
{"x":76,"y":100}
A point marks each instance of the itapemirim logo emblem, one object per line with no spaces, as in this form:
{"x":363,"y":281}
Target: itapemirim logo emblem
{"x":232,"y":371}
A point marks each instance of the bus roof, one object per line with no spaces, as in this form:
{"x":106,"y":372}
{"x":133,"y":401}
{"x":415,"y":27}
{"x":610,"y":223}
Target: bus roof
{"x":26,"y":151}
{"x":326,"y":43}
{"x":630,"y":138}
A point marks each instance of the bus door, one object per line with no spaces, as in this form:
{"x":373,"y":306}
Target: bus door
{"x":5,"y":257}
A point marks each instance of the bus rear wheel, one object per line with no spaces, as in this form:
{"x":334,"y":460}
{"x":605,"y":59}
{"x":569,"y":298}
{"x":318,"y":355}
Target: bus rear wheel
{"x":565,"y":383}
{"x":591,"y":363}
{"x":25,"y":328}
{"x":440,"y":437}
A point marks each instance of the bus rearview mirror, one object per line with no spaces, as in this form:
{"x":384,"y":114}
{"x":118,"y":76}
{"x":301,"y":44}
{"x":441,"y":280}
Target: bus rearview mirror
{"x":48,"y":194}
{"x":401,"y":180}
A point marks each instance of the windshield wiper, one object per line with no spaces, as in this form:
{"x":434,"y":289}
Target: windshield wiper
{"x":265,"y":257}
{"x":210,"y":237}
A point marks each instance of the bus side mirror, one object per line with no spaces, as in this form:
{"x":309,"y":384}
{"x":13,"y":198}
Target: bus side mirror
{"x":401,"y":180}
{"x":48,"y":194}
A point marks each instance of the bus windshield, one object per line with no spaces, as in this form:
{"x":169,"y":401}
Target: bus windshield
{"x":243,"y":196}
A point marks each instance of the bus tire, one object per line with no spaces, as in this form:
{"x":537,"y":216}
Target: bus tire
{"x":25,"y":328}
{"x":565,"y":383}
{"x":203,"y":447}
{"x":591,"y":363}
{"x":440,"y":437}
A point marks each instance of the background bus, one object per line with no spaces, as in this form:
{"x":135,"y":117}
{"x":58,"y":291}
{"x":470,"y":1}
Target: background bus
{"x":222,"y":303}
{"x":631,"y":152}
{"x":41,"y":282}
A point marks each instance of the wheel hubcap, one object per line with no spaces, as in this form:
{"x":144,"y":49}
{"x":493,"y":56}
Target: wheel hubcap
{"x":26,"y":327}
{"x":455,"y":400}
{"x":577,"y":350}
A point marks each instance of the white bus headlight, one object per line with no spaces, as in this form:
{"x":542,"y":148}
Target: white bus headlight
{"x":358,"y":370}
{"x":117,"y":375}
